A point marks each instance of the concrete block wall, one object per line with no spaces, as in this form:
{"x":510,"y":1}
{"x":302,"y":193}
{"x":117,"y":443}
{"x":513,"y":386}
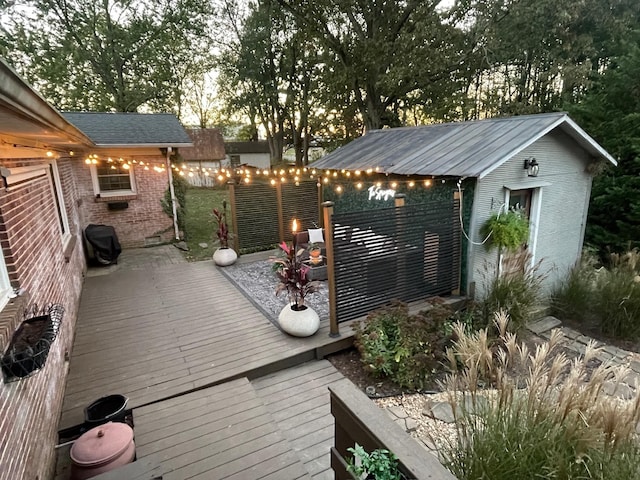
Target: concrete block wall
{"x":37,"y":261}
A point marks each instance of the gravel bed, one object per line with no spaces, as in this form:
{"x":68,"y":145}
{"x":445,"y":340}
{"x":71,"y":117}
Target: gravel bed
{"x":258,"y":282}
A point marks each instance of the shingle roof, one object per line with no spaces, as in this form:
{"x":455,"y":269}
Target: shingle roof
{"x":207,"y":145}
{"x":462,"y":149}
{"x":131,"y":129}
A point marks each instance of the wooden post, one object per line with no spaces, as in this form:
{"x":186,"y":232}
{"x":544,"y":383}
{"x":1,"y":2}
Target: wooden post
{"x":401,"y":260}
{"x":280,"y":212}
{"x":458,"y":196}
{"x":334,"y":330}
{"x":231,"y":187}
{"x":320,"y":201}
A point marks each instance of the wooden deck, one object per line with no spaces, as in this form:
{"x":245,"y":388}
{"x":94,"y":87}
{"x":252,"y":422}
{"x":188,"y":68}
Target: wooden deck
{"x":222,"y":432}
{"x":164,"y":332}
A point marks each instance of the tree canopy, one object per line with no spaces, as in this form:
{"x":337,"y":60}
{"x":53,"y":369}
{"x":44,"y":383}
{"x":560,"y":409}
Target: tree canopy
{"x":110,"y":54}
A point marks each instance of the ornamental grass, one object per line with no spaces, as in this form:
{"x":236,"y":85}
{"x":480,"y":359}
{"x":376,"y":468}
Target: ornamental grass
{"x":542,"y":414}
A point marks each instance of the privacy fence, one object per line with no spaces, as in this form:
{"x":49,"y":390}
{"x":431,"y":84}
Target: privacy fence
{"x":407,"y":252}
{"x":262,"y":213}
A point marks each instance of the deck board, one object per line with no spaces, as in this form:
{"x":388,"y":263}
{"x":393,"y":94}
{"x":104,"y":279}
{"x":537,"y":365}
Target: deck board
{"x":153,"y":334}
{"x":298,"y":399}
{"x":220,"y":432}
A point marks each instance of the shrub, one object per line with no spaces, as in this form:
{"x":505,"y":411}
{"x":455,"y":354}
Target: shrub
{"x":380,"y":464}
{"x":517,"y":293}
{"x":180,"y":186}
{"x":406,"y":348}
{"x":608,"y":297}
{"x":561,"y":426}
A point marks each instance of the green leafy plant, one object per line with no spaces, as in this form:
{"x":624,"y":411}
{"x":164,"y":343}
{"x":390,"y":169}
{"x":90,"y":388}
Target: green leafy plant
{"x":506,"y":230}
{"x":380,"y":464}
{"x":406,"y":348}
{"x":561,"y":426}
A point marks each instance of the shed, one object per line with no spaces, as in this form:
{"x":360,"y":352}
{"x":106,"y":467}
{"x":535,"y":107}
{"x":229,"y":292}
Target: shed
{"x":495,"y":153}
{"x":255,"y":154}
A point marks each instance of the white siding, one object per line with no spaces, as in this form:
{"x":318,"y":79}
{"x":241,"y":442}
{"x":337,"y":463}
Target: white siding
{"x":563,"y":207}
{"x":258,"y":160}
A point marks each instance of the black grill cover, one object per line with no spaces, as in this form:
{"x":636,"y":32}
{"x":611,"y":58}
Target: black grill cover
{"x":105,"y":243}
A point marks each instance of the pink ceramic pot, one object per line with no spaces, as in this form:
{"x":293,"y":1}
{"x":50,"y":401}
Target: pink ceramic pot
{"x":102,"y":449}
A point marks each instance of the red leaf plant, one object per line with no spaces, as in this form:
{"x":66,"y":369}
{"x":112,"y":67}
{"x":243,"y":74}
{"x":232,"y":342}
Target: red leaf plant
{"x":223,"y":229}
{"x":292,"y":274}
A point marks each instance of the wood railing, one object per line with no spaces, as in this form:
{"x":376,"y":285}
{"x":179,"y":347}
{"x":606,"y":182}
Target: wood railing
{"x":359,"y":420}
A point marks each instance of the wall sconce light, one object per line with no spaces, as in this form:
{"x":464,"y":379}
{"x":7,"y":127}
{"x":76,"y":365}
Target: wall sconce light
{"x":531,"y":166}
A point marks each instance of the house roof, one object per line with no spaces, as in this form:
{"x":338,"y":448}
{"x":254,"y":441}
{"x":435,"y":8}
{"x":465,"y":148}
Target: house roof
{"x":461,"y":149}
{"x":131,"y":129}
{"x":26,"y":117}
{"x":261,"y":146}
{"x":207,"y":145}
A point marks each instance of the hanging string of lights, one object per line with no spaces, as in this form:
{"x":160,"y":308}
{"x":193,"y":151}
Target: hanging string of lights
{"x":338,"y":179}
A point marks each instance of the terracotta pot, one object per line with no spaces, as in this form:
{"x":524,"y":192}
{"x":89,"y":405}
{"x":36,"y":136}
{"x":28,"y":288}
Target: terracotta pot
{"x":299,"y":323}
{"x":225,"y":256}
{"x":101,"y":450}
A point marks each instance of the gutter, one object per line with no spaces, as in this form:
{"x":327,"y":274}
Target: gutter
{"x":25,"y":102}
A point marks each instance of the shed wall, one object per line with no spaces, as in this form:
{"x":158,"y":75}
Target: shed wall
{"x":563,"y":208}
{"x":33,"y":251}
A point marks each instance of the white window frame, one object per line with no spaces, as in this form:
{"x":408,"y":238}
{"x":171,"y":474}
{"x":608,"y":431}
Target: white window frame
{"x":5,"y":284}
{"x":111,"y":193}
{"x":56,"y":191}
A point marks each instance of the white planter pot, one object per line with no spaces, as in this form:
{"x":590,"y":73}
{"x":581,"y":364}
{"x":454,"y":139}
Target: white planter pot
{"x":299,"y":323}
{"x":225,"y":256}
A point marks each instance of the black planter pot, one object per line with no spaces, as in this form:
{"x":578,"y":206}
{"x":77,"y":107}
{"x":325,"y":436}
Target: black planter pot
{"x":106,"y":409}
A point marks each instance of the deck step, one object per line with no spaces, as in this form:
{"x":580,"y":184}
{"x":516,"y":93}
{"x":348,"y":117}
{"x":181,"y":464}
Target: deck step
{"x":298,"y":399}
{"x":221,"y":432}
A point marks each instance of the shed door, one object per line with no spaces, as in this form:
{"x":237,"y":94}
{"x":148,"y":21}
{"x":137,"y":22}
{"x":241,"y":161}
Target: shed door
{"x":515,"y":262}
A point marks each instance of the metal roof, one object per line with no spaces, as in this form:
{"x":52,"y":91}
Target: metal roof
{"x":461,"y":149}
{"x":131,"y":129}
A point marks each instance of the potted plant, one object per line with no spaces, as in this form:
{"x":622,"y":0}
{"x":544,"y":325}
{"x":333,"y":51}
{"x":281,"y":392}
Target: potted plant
{"x":380,"y":464}
{"x":315,"y":253}
{"x":296,"y":318}
{"x":224,"y":255}
{"x":506,"y":230}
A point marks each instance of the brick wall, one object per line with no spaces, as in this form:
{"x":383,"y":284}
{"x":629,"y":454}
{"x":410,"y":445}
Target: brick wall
{"x":143,"y":218}
{"x":33,"y":250}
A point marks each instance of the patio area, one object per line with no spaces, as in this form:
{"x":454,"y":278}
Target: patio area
{"x":172,"y":336}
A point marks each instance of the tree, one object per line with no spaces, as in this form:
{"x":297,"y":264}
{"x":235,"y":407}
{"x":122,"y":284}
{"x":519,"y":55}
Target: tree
{"x":388,"y":53}
{"x":110,"y":54}
{"x":610,"y":111}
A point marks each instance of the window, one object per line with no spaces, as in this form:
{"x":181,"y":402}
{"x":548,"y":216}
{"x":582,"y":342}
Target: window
{"x":112,"y":179}
{"x":235,"y":160}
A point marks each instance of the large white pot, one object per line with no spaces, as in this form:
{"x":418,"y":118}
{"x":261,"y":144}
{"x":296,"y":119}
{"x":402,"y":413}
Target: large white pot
{"x":299,"y":323}
{"x":225,"y":256}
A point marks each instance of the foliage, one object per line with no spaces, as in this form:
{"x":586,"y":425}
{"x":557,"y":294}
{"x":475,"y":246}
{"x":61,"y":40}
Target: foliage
{"x":292,"y":274}
{"x":375,"y":54}
{"x":561,"y":426}
{"x":110,"y":55}
{"x":610,"y":113}
{"x":406,"y":348}
{"x":506,"y":230}
{"x":517,"y":294}
{"x":222,"y":230}
{"x":608,"y":297}
{"x":199,"y":222}
{"x":381,"y":464}
{"x":180,"y":186}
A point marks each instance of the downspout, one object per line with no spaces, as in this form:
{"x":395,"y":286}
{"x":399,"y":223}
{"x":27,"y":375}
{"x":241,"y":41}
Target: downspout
{"x":174,"y":201}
